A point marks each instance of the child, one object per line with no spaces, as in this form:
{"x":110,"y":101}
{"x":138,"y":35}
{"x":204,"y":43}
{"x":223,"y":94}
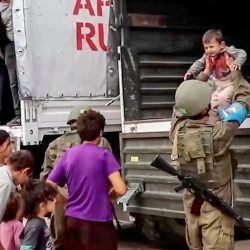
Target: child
{"x":39,"y":200}
{"x":88,"y":170}
{"x":17,"y":172}
{"x":11,"y":226}
{"x":219,"y":60}
{"x":5,"y":146}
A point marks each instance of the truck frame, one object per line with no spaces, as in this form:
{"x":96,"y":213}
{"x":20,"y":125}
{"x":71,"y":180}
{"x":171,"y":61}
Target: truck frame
{"x":151,"y":45}
{"x":161,"y":39}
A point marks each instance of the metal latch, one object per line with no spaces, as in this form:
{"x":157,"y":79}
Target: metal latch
{"x":112,"y":100}
{"x":133,"y":189}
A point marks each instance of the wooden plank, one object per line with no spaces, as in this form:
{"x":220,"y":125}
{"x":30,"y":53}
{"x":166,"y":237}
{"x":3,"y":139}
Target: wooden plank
{"x":149,"y":21}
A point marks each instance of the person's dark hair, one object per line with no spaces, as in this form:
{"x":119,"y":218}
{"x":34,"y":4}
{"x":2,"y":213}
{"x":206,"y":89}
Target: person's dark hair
{"x":4,"y":136}
{"x":12,"y":207}
{"x":90,"y":124}
{"x":22,"y":159}
{"x":34,"y":193}
{"x":213,"y":34}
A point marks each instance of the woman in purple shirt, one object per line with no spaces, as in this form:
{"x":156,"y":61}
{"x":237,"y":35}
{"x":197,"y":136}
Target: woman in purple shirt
{"x":89,"y":171}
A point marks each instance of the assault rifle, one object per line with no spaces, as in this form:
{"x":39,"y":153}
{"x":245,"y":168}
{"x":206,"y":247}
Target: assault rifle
{"x":200,"y":190}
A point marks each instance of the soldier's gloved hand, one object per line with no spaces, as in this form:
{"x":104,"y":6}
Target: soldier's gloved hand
{"x":235,"y":66}
{"x":237,"y":111}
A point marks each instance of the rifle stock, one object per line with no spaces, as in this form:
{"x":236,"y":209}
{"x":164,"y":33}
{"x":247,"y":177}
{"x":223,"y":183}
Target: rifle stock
{"x":199,"y":190}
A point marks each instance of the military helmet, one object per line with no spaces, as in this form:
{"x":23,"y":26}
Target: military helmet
{"x":192,"y":97}
{"x":75,"y":113}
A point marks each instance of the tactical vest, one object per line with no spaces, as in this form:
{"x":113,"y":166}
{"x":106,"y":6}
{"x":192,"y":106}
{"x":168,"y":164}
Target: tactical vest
{"x":196,"y":155}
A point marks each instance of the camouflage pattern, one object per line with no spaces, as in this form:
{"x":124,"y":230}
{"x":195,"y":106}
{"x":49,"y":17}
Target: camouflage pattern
{"x":241,"y":87}
{"x":105,"y":144}
{"x":75,"y":113}
{"x":190,"y":103}
{"x":217,"y":228}
{"x":53,"y":153}
{"x":57,"y":147}
{"x":202,"y":231}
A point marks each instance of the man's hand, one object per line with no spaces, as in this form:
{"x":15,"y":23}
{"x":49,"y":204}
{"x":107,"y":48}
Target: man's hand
{"x":231,"y":63}
{"x":235,"y":66}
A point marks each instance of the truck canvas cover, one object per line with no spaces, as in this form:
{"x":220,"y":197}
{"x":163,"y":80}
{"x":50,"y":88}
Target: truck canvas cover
{"x":61,"y":47}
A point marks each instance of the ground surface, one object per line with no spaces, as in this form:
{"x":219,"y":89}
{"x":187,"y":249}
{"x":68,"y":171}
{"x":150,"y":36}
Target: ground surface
{"x":131,"y":239}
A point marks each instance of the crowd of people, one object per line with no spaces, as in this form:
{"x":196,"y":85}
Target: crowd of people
{"x":80,"y":177}
{"x":78,"y":191}
{"x":81,"y":213}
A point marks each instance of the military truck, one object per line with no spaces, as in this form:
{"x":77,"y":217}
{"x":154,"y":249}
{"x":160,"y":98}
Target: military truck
{"x":160,"y":41}
{"x":66,"y":55}
{"x":93,"y":52}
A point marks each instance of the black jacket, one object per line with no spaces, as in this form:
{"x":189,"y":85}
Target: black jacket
{"x":3,"y":37}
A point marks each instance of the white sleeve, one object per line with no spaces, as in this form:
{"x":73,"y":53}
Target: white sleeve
{"x":5,"y":191}
{"x":239,"y":55}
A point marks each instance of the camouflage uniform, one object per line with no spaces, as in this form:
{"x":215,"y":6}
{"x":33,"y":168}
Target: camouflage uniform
{"x":57,"y":147}
{"x":202,"y":146}
{"x":53,"y":153}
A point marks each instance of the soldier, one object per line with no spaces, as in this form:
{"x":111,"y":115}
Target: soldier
{"x":201,"y":149}
{"x":54,"y":151}
{"x":66,"y":141}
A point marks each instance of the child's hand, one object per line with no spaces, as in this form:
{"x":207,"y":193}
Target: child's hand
{"x":112,"y":194}
{"x":235,"y":66}
{"x":208,"y":70}
{"x":188,"y":76}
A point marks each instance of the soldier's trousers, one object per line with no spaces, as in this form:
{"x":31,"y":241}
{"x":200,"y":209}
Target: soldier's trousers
{"x":58,"y":224}
{"x":210,"y":230}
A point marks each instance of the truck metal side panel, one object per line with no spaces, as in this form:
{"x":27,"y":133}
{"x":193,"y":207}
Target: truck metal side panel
{"x":48,"y":117}
{"x":61,"y":48}
{"x":159,"y":197}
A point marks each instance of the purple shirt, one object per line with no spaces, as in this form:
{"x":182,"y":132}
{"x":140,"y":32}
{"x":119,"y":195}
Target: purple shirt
{"x":85,"y":169}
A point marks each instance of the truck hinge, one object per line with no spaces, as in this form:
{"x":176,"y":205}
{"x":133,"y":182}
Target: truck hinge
{"x":133,"y":189}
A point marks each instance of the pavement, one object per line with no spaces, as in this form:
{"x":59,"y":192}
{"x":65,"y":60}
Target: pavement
{"x":242,"y":245}
{"x":126,"y":222}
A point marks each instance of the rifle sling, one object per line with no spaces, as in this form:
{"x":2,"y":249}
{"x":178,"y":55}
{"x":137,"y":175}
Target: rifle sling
{"x":174,"y":155}
{"x":196,"y":205}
